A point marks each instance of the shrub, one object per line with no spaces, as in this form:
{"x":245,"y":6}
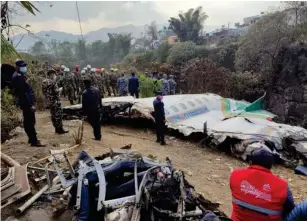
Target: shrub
{"x":148,"y":86}
{"x":203,"y":75}
{"x":247,"y":86}
{"x":181,"y":53}
{"x":9,"y":114}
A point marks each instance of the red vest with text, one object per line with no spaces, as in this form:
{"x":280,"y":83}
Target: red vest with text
{"x":257,"y":195}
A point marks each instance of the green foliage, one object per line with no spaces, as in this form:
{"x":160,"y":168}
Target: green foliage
{"x":162,"y":52}
{"x":9,"y":114}
{"x":38,"y":48}
{"x":183,"y":52}
{"x":29,"y":7}
{"x":189,"y":24}
{"x":247,"y":86}
{"x":148,"y":86}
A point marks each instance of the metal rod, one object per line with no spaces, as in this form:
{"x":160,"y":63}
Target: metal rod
{"x":27,"y":204}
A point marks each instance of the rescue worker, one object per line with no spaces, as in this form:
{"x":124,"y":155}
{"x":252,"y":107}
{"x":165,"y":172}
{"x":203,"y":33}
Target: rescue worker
{"x":78,"y":82}
{"x":62,"y":68}
{"x":92,"y":107}
{"x":159,"y":117}
{"x":26,"y":101}
{"x":172,"y":85}
{"x":113,"y":81}
{"x":99,"y":80}
{"x":257,"y":194}
{"x":133,"y":85}
{"x":83,"y":77}
{"x":122,"y":86}
{"x":107,"y":81}
{"x":51,"y":92}
{"x":92,"y":76}
{"x":88,"y":68}
{"x":69,"y":85}
{"x":165,"y":85}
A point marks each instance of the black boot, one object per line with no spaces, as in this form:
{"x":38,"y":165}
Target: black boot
{"x":61,"y":131}
{"x":163,"y":143}
{"x":37,"y":144}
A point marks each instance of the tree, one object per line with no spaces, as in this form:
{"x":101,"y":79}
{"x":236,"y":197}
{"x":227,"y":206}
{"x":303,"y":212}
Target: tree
{"x":118,"y":46}
{"x":38,"y":49}
{"x":152,"y":31}
{"x":189,"y":24}
{"x":259,"y":47}
{"x":300,"y":10}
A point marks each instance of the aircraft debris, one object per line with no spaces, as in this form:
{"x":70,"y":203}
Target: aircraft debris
{"x":237,"y":127}
{"x":123,"y":185}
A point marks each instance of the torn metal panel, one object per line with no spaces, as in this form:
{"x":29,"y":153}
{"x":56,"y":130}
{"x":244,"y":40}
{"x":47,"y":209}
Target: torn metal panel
{"x":224,"y":118}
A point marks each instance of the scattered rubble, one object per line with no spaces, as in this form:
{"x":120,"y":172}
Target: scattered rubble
{"x":123,"y":185}
{"x":14,"y":181}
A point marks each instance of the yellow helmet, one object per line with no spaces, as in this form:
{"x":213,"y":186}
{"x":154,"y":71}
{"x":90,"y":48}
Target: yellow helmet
{"x":102,"y":69}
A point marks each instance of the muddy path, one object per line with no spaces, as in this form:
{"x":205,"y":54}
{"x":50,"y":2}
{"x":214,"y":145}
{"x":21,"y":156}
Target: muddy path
{"x":207,"y":169}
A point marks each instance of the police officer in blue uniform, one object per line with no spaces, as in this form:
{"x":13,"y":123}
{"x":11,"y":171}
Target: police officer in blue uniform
{"x":133,"y":85}
{"x":92,"y":107}
{"x":159,"y":117}
{"x":26,"y":101}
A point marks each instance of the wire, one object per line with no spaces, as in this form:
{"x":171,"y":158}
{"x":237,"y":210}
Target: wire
{"x":83,"y":42}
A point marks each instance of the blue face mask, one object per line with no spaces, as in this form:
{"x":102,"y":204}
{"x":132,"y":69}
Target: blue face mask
{"x":23,"y":69}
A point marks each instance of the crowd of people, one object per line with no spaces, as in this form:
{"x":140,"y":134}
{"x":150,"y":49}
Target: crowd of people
{"x":86,"y":86}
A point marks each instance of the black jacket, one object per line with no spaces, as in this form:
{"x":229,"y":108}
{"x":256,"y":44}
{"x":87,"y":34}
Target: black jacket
{"x":23,"y":90}
{"x":91,"y":100}
{"x":159,"y":110}
{"x":133,"y":84}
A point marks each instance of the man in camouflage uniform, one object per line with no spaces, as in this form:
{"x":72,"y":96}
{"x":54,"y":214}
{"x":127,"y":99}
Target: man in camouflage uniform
{"x":122,"y":86}
{"x":51,"y":92}
{"x":113,"y":81}
{"x":165,"y":85}
{"x":92,"y":76}
{"x":69,"y":85}
{"x":107,"y":80}
{"x":99,"y":80}
{"x":172,"y":85}
{"x":84,"y":76}
{"x":62,"y":80}
{"x":78,"y":82}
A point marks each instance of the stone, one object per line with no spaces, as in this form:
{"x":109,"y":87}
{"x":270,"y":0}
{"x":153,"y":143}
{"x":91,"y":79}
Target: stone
{"x":17,"y":132}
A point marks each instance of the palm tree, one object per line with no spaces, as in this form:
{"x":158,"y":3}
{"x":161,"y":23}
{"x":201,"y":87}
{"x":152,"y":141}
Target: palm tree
{"x":189,"y":24}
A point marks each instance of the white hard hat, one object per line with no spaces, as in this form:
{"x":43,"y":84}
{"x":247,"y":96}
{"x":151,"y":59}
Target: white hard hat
{"x":66,"y":69}
{"x":63,"y":66}
{"x":88,"y":66}
{"x":93,"y":70}
{"x":83,"y":72}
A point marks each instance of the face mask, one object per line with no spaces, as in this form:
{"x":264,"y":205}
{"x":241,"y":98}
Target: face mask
{"x":23,"y":69}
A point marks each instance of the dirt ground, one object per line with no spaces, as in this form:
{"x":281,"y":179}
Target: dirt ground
{"x":206,"y":169}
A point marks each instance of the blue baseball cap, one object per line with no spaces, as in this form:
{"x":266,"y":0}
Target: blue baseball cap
{"x":159,"y":92}
{"x":262,"y":157}
{"x":21,"y":63}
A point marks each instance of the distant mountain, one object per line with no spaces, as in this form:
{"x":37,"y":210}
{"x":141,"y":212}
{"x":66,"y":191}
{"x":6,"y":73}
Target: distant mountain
{"x":46,"y":36}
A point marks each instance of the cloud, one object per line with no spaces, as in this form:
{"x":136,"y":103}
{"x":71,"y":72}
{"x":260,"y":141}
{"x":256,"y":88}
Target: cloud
{"x":62,"y":16}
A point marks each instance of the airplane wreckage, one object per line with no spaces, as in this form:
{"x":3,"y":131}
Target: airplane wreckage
{"x":237,"y":127}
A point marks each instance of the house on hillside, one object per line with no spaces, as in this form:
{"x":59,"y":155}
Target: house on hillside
{"x":250,"y":20}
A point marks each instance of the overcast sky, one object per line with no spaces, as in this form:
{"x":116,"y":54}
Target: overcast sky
{"x":62,"y":16}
